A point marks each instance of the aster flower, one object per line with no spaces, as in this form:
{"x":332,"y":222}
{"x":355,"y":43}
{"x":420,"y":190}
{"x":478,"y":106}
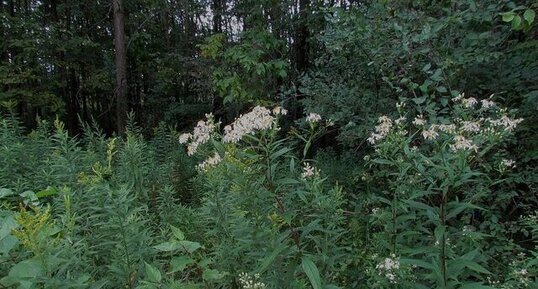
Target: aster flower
{"x":313,"y":117}
{"x":259,"y":118}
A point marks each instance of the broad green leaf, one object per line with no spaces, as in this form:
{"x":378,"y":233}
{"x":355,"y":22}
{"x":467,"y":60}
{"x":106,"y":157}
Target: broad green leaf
{"x":7,"y":224}
{"x":153,"y":274}
{"x":516,"y":22}
{"x":7,"y":243}
{"x":212,"y":275}
{"x":177,"y":233}
{"x":168,"y":246}
{"x":6,"y":193}
{"x":49,"y":191}
{"x":529,"y":15}
{"x":23,"y":273}
{"x":189,"y":246}
{"x":180,"y":263}
{"x":508,"y":16}
{"x":311,"y":272}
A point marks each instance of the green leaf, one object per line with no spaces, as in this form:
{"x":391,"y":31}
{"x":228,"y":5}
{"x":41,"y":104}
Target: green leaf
{"x":5,"y":193}
{"x":476,"y":267}
{"x":153,"y":274}
{"x":460,"y":207}
{"x":177,"y":233}
{"x":189,"y":246}
{"x":508,"y":16}
{"x":168,"y":246}
{"x":312,"y":272}
{"x":529,"y":15}
{"x":49,"y":191}
{"x":7,"y":224}
{"x":7,"y":243}
{"x":25,"y":273}
{"x":516,"y":22}
{"x":211,"y":275}
{"x":180,"y":263}
{"x":269,"y":259}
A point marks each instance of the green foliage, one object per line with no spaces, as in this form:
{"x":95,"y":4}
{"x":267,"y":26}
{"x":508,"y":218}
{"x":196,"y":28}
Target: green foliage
{"x":250,"y":70}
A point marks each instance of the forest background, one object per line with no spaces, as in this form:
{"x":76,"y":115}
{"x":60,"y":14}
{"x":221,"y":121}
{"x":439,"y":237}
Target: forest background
{"x":94,"y":96}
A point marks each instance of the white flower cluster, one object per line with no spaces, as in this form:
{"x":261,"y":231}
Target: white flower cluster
{"x":461,"y":143}
{"x":419,"y":120}
{"x":462,"y":132}
{"x":509,"y":124}
{"x":469,"y":102}
{"x":381,"y":130}
{"x":487,"y":103}
{"x":200,"y":135}
{"x":388,"y":268}
{"x":280,"y":111}
{"x":260,"y":118}
{"x":313,"y":118}
{"x":508,"y":163}
{"x":447,"y":128}
{"x":249,"y":282}
{"x":467,"y":230}
{"x":210,"y":162}
{"x":470,"y":126}
{"x":430,"y":134}
{"x":309,"y":171}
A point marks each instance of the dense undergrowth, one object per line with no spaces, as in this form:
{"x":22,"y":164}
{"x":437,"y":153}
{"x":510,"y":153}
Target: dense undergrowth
{"x":247,"y":206}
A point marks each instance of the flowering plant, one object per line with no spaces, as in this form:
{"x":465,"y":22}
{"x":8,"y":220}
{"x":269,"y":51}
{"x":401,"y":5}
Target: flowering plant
{"x":436,"y":173}
{"x":273,"y":216}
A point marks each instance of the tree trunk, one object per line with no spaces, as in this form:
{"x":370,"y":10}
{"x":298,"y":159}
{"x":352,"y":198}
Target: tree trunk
{"x":301,"y":43}
{"x":121,"y":66}
{"x":218,"y":8}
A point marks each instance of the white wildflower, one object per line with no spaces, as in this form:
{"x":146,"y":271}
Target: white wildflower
{"x":400,"y":120}
{"x":210,"y":162}
{"x":430,"y":134}
{"x":259,"y":118}
{"x":279,"y":111}
{"x":381,"y":130}
{"x":308,"y":171}
{"x":250,"y":282}
{"x":447,"y":128}
{"x":461,"y":143}
{"x":313,"y":117}
{"x":509,"y":124}
{"x":200,"y":135}
{"x":487,"y":103}
{"x":388,"y":268}
{"x":459,"y":97}
{"x":469,"y":102}
{"x":419,"y":120}
{"x":184,"y":138}
{"x":508,"y":163}
{"x":470,"y":126}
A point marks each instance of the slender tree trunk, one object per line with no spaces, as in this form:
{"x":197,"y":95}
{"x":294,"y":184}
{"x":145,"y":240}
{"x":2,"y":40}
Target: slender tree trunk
{"x":11,"y":8}
{"x":218,"y":8}
{"x":121,"y":66}
{"x":301,"y":43}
